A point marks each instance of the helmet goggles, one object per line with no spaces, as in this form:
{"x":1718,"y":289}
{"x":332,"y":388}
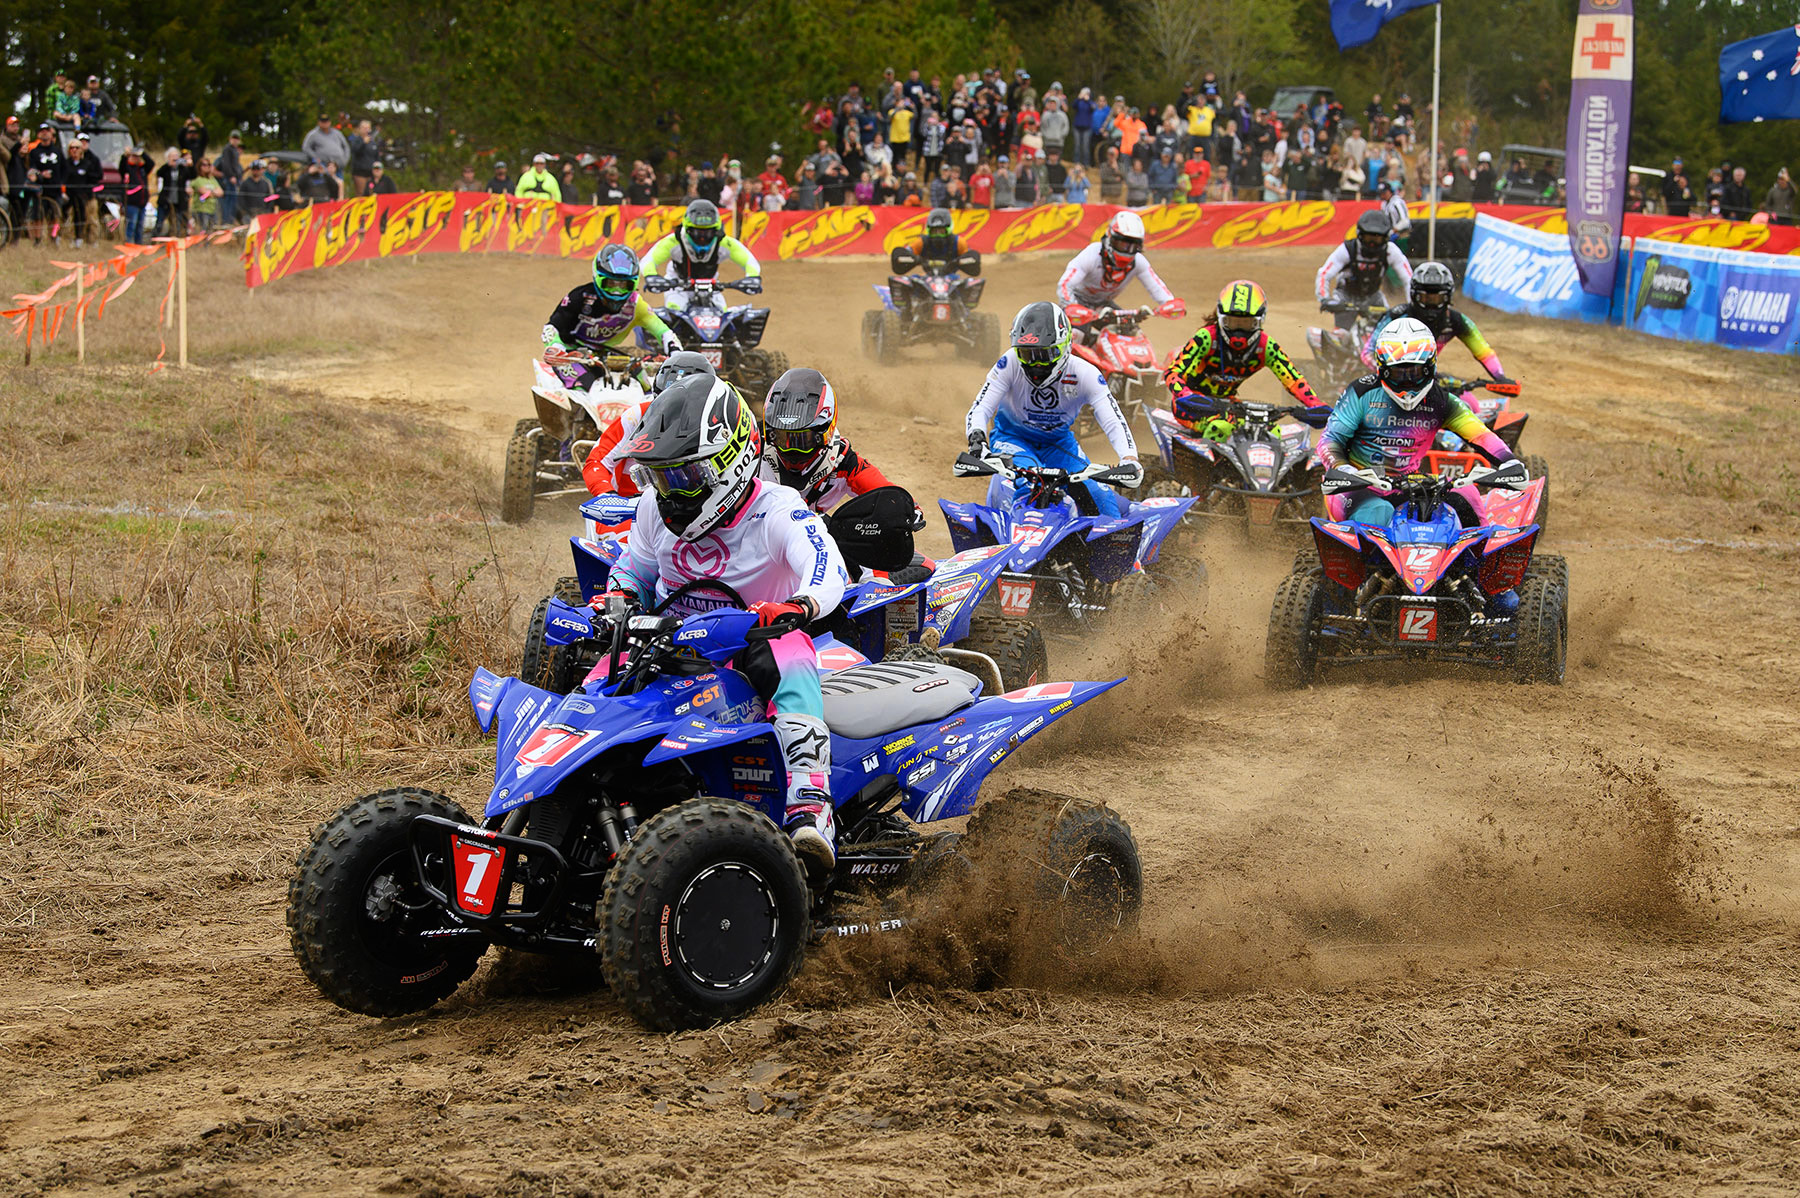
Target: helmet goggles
{"x":683,"y":479}
{"x":1124,"y":247}
{"x":614,"y":288}
{"x":702,"y":237}
{"x":1239,"y":327}
{"x":806,"y":441}
{"x":1408,"y":376}
{"x":1371,"y":243}
{"x":1432,"y":299}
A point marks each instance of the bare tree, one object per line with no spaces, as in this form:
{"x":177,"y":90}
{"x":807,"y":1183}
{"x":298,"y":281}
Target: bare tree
{"x":1232,"y":39}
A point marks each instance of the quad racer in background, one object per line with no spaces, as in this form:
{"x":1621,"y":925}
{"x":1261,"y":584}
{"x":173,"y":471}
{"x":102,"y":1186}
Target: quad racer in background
{"x":1385,"y":423}
{"x":803,"y":448}
{"x":697,"y":250}
{"x":1225,"y":351}
{"x":708,"y":516}
{"x":600,"y":315}
{"x":1094,"y":277}
{"x":1430,"y":292}
{"x":1031,"y":399}
{"x":1363,"y":268}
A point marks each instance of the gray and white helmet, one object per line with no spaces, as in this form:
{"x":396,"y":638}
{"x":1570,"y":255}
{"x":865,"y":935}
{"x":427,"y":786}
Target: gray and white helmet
{"x":677,"y":366}
{"x":698,"y":447}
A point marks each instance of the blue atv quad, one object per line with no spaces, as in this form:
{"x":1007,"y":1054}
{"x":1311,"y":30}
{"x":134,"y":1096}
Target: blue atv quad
{"x":729,"y":338}
{"x":910,"y":610}
{"x":638,"y":819}
{"x":1065,"y":563}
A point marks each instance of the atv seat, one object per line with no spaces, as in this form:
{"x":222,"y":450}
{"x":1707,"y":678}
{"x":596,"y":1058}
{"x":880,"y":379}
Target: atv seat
{"x":866,"y":701}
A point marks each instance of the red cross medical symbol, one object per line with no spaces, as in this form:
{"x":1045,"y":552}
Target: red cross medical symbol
{"x":1603,"y":47}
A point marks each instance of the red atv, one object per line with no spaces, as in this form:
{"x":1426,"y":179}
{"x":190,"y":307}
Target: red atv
{"x":1111,"y":340}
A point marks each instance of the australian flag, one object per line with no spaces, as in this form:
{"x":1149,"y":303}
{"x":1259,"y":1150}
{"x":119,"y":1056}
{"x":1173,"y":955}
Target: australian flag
{"x":1759,"y":78}
{"x":1354,"y":22}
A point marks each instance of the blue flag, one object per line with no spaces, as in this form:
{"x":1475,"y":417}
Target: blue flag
{"x":1354,"y":22}
{"x":1759,"y":78}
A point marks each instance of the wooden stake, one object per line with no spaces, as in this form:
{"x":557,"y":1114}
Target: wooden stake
{"x":181,"y":339}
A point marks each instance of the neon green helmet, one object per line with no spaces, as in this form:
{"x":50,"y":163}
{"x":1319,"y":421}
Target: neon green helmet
{"x":700,"y":231}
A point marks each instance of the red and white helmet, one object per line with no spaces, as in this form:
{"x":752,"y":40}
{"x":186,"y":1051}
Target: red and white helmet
{"x":1123,"y":239}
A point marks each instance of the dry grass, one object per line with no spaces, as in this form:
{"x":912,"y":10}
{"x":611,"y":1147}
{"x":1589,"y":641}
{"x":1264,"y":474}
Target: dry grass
{"x":209,"y":593}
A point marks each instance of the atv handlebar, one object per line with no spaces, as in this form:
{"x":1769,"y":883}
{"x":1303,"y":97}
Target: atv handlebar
{"x":1261,"y":413}
{"x":1338,"y":303}
{"x":751,"y":285}
{"x":612,"y":359}
{"x":971,"y":465}
{"x":1500,"y":386}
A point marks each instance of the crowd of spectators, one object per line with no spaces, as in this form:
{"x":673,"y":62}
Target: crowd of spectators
{"x":982,"y":141}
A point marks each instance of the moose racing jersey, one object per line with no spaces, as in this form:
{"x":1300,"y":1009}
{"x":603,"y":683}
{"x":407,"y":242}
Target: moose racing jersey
{"x":1088,"y":281}
{"x":1457,"y":327}
{"x":1205,"y":368}
{"x":1359,"y":277}
{"x":579,"y":322}
{"x":1368,"y":429}
{"x":773,"y":550}
{"x":1010,"y":398}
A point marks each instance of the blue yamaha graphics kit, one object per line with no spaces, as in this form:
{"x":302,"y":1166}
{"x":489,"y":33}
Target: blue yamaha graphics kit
{"x":915,"y":608}
{"x":638,"y":817}
{"x":1258,"y":474}
{"x":1430,"y":585}
{"x":1062,"y":562}
{"x":728,"y":338}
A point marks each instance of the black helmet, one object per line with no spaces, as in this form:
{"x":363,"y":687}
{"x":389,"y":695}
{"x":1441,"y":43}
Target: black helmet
{"x":1372,"y":230}
{"x":1040,"y":339}
{"x":1433,"y":286}
{"x":939,"y":240}
{"x":700,"y":229}
{"x":699,"y":446}
{"x":677,"y":366}
{"x":800,"y":424}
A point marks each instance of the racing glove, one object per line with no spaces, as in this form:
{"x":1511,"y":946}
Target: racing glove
{"x":753,"y":285}
{"x":670,"y":344}
{"x":1133,"y":471}
{"x":1194,"y":407}
{"x":977,"y":442}
{"x":1510,"y":474}
{"x":1172,"y":308}
{"x":786,"y":616}
{"x":1079,"y":314}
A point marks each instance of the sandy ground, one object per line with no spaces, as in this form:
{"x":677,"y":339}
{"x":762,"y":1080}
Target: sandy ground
{"x":1423,"y":935}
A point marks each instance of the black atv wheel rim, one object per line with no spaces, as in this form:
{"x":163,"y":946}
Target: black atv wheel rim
{"x":1093,"y":903}
{"x":395,"y":912}
{"x":725,"y":927}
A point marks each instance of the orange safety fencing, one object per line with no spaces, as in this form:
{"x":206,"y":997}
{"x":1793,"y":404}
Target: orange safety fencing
{"x":40,"y":318}
{"x":435,"y":222}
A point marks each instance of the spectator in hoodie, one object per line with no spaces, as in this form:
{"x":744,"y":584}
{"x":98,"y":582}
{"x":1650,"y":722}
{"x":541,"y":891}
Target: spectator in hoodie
{"x":1099,"y":129}
{"x":1054,"y":126}
{"x":1005,"y":183}
{"x":134,"y":184}
{"x":1161,"y":177}
{"x":1779,"y":202}
{"x":1735,"y":202}
{"x":1081,"y":127}
{"x":1677,"y":192}
{"x":324,"y":143}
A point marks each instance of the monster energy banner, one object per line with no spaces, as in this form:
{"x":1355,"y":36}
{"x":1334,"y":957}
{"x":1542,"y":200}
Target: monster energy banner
{"x":1703,"y":293}
{"x":1599,"y":138}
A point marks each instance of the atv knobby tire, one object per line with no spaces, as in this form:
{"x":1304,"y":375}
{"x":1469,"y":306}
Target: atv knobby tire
{"x":1537,"y":467}
{"x":887,"y":352}
{"x":355,"y":909}
{"x":1017,"y":647}
{"x":704,"y":916}
{"x":542,"y":664}
{"x":1054,"y":872}
{"x":1291,"y":653}
{"x":871,"y":333}
{"x":1553,"y":566}
{"x":1542,"y":650}
{"x":518,"y":486}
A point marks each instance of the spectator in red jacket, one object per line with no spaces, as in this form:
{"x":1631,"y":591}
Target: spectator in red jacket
{"x":773,"y":185}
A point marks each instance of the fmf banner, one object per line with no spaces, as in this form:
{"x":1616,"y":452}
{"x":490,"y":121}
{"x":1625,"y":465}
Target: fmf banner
{"x":1599,"y":136}
{"x":1517,"y":269}
{"x":444,"y":222}
{"x":1697,"y":293}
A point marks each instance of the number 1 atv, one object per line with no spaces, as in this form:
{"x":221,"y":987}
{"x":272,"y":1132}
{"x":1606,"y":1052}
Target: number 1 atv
{"x":637,"y":819}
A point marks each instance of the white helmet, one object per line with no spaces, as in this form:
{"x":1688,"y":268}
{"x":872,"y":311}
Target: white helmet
{"x":1123,"y":239}
{"x":1406,"y":361}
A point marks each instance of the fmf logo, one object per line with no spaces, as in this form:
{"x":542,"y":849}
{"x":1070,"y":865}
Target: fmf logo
{"x":752,"y":227}
{"x":584,"y":233}
{"x":1165,"y":223}
{"x":651,"y":228}
{"x":1038,"y":228}
{"x":825,"y":232}
{"x":965,"y":222}
{"x":1720,"y":234}
{"x":279,"y":240}
{"x":480,"y":222}
{"x":1274,"y":224}
{"x":531,"y":220}
{"x":341,"y":233}
{"x":406,"y":228}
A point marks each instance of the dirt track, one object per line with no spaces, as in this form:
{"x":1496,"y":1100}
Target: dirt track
{"x":1420,"y":935}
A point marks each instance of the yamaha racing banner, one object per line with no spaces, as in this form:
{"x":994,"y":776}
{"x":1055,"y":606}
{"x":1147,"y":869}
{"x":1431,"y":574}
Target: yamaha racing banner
{"x":1599,"y":137}
{"x":1516,"y":269}
{"x":1699,"y":293}
{"x":464,"y":222}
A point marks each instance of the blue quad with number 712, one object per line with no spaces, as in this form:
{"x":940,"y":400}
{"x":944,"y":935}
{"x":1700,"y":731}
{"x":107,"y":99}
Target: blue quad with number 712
{"x":637,"y":819}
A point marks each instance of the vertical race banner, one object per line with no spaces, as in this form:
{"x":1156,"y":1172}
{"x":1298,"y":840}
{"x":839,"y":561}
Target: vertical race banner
{"x":1599,"y":139}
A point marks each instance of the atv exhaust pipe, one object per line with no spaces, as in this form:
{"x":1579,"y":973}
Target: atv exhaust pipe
{"x":979,"y":664}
